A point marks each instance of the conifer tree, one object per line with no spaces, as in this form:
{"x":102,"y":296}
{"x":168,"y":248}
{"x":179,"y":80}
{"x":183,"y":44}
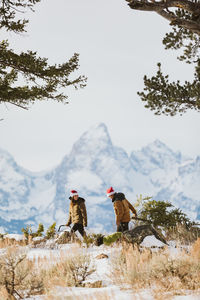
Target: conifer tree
{"x":42,"y":81}
{"x":159,"y":94}
{"x":51,"y":231}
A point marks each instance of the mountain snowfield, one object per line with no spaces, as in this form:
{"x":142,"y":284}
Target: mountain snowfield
{"x":94,"y":164}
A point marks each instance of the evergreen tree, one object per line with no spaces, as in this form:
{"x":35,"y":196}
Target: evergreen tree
{"x":163,"y":213}
{"x":41,"y":80}
{"x":51,"y":231}
{"x":160,"y":95}
{"x":29,"y":233}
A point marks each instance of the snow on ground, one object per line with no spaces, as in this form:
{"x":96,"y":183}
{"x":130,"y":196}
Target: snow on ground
{"x":102,"y":272}
{"x":113,"y":292}
{"x":187,"y":297}
{"x":151,"y":241}
{"x":17,"y":237}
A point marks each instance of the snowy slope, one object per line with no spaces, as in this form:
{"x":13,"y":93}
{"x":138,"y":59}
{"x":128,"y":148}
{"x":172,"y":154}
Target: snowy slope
{"x":94,"y":164}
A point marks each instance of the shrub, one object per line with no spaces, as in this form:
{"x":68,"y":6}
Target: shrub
{"x":67,"y":237}
{"x":64,"y":238}
{"x":29,"y":234}
{"x":51,"y":231}
{"x":163,"y":215}
{"x":91,"y":239}
{"x":17,"y":274}
{"x":39,"y":231}
{"x":157,"y":269}
{"x":183,"y":234}
{"x":2,"y":236}
{"x":71,"y":271}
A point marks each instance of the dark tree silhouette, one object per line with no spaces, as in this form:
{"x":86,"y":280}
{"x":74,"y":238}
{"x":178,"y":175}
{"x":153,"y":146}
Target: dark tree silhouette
{"x":159,"y":94}
{"x":41,"y":80}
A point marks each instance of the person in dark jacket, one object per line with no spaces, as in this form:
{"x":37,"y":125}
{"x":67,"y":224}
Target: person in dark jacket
{"x":122,"y":209}
{"x":77,"y":213}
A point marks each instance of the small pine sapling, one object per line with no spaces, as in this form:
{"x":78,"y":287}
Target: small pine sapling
{"x":39,"y":231}
{"x":27,"y":232}
{"x":51,"y":231}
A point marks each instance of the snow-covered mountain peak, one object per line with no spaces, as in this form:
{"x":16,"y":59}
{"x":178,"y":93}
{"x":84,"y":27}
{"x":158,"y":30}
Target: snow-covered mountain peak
{"x":93,"y":165}
{"x":198,"y":160}
{"x":154,"y":157}
{"x":6,"y":157}
{"x":192,"y":166}
{"x":160,"y":156}
{"x":158,"y":144}
{"x":96,"y":134}
{"x":158,"y":147}
{"x":93,"y":142}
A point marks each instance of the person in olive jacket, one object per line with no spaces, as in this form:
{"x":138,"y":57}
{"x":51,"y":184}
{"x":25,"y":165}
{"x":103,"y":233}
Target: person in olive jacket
{"x":122,"y":209}
{"x":77,"y":213}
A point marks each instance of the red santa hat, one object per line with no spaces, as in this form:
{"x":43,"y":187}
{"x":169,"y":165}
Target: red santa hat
{"x":110,"y":191}
{"x":73,"y":193}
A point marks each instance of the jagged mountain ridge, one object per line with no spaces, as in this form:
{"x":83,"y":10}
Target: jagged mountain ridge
{"x":94,"y":164}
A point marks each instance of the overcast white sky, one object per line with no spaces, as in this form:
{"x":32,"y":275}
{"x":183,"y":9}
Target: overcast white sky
{"x":117,"y":47}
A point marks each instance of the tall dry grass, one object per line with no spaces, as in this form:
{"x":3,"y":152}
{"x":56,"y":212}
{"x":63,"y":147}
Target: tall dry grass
{"x":7,"y":242}
{"x":70,"y":271}
{"x":158,"y":270}
{"x":195,"y":252}
{"x":21,"y":277}
{"x":180,"y":233}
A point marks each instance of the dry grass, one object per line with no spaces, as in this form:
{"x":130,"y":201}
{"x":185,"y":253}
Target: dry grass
{"x":196,"y":249}
{"x":158,"y":270}
{"x":164,"y":274}
{"x":20,"y":277}
{"x":70,"y":268}
{"x":4,"y":294}
{"x":70,"y":271}
{"x":180,"y":233}
{"x":6,"y":242}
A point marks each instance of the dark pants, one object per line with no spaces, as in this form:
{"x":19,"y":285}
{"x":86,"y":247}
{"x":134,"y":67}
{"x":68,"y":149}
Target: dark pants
{"x":78,"y":227}
{"x":123,"y":226}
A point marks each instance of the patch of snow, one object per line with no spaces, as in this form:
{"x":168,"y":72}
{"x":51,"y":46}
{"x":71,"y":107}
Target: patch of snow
{"x":151,"y":241}
{"x":38,"y":238}
{"x":17,"y":237}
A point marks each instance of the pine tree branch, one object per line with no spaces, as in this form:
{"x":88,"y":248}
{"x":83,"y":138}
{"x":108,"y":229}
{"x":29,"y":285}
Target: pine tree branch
{"x":161,"y":8}
{"x":190,"y":6}
{"x":186,"y":24}
{"x":18,"y":106}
